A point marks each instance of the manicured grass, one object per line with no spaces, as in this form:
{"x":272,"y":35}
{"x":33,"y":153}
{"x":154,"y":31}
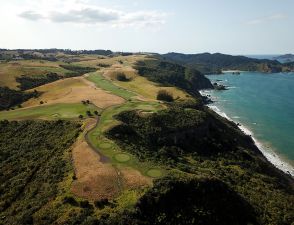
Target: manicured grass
{"x":49,"y":112}
{"x":107,"y":85}
{"x":109,"y":148}
{"x":155,"y":173}
{"x":121,"y":157}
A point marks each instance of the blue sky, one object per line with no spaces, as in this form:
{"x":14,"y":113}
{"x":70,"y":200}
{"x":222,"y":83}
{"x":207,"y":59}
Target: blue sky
{"x":188,"y":26}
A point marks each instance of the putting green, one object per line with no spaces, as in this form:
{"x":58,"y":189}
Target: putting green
{"x":105,"y":145}
{"x":122,"y":157}
{"x":155,"y":173}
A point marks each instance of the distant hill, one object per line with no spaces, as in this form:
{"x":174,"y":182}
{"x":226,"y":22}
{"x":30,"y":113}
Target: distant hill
{"x":214,"y":63}
{"x":285,"y":58}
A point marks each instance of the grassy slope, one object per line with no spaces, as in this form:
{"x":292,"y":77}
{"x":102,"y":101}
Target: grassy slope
{"x":96,"y":136}
{"x":110,"y":149}
{"x":50,"y":112}
{"x":10,"y":70}
{"x":146,"y":88}
{"x":105,"y":84}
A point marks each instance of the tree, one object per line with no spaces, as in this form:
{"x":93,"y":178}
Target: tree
{"x":89,"y":113}
{"x":164,"y":95}
{"x":121,"y":77}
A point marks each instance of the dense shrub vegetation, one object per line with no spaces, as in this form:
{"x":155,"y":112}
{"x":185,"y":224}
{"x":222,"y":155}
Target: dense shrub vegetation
{"x":120,"y":76}
{"x":172,"y":74}
{"x":32,"y":163}
{"x":10,"y":98}
{"x":27,"y":82}
{"x":77,"y":70}
{"x":189,"y":201}
{"x":164,"y":95}
{"x":200,"y":142}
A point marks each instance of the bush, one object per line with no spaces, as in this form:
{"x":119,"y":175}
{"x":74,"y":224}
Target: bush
{"x":121,"y":77}
{"x":70,"y":200}
{"x":89,"y":113}
{"x":10,"y":97}
{"x":164,"y":95}
{"x":101,"y":204}
{"x":85,"y":204}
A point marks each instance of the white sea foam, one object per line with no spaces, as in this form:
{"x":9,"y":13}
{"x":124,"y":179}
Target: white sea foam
{"x":272,"y":157}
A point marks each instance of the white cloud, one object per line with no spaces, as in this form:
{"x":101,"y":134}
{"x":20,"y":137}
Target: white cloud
{"x":261,"y":20}
{"x":80,"y":12}
{"x":31,"y":15}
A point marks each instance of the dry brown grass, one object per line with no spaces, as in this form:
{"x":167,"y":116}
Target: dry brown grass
{"x":134,"y":179}
{"x":96,"y":180}
{"x":10,"y":70}
{"x":74,"y":90}
{"x":140,"y":85}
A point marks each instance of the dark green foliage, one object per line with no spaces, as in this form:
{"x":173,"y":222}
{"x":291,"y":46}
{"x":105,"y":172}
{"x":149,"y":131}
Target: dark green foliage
{"x":164,"y":95}
{"x":212,"y":63}
{"x":202,"y":143}
{"x":70,"y":200}
{"x":178,"y":128}
{"x":77,"y":70}
{"x":121,"y":77}
{"x":32,"y":164}
{"x":27,"y":82}
{"x":192,"y":201}
{"x":89,"y":113}
{"x":85,"y":204}
{"x":103,"y":65}
{"x":172,"y":74}
{"x":10,"y":97}
{"x":102,"y":203}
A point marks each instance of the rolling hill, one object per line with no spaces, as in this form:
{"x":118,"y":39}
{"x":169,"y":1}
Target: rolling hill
{"x":214,"y":63}
{"x":92,"y":148}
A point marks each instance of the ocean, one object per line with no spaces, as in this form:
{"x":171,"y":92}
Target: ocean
{"x":264,"y":104}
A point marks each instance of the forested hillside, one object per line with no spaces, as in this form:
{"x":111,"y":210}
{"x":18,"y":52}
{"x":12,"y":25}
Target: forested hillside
{"x":214,"y":63}
{"x":173,"y":74}
{"x":34,"y":160}
{"x":200,"y":143}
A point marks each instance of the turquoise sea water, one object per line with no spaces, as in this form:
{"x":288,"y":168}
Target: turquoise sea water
{"x":263,"y":103}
